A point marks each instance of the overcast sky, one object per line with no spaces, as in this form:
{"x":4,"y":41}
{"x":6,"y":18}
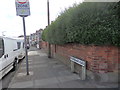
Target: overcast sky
{"x":11,"y":25}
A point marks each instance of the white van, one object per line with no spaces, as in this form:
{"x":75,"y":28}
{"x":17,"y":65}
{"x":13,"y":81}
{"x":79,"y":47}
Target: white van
{"x":8,"y":55}
{"x":21,"y":48}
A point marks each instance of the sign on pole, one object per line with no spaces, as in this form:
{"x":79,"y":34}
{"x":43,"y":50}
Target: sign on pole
{"x":22,"y":8}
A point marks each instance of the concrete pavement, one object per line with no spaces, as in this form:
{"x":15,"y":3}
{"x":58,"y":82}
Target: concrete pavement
{"x":49,"y":73}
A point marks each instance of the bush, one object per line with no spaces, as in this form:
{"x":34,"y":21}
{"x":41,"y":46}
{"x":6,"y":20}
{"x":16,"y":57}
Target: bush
{"x":86,"y":23}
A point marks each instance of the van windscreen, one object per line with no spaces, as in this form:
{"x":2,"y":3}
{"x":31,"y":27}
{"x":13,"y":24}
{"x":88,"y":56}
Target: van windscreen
{"x":1,"y":47}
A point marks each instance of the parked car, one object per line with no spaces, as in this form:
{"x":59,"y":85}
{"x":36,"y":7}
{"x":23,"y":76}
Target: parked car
{"x":21,"y":48}
{"x":28,"y":46}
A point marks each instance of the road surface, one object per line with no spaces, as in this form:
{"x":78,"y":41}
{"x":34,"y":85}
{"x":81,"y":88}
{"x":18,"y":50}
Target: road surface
{"x":4,"y":83}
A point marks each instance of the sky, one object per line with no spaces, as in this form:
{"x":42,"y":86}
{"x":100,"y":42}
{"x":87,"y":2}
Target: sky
{"x":12,"y":25}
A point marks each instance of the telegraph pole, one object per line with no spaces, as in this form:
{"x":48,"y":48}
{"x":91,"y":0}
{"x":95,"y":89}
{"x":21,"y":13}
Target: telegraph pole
{"x":49,"y":45}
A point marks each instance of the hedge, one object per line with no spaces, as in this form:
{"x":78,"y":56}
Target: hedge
{"x":87,"y":23}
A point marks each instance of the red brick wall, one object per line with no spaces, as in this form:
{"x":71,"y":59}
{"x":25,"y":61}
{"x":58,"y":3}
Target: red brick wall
{"x":100,"y":59}
{"x":44,"y":45}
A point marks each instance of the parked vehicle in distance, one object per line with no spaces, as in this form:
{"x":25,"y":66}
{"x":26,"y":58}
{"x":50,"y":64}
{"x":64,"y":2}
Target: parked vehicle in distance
{"x":21,"y":48}
{"x":8,"y":55}
{"x":28,"y":46}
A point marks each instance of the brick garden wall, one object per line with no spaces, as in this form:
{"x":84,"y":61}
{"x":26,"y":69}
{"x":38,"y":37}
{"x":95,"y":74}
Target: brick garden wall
{"x":100,"y":59}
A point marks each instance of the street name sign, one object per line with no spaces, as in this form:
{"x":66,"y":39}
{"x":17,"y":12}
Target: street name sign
{"x":82,"y":73}
{"x":78,"y":61}
{"x":22,"y":8}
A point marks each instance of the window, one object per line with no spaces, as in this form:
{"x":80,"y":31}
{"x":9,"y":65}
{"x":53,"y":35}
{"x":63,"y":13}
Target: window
{"x":18,"y":45}
{"x":1,"y":47}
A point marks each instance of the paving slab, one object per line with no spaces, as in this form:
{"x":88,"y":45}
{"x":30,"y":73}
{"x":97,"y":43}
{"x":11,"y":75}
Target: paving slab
{"x":47,"y":73}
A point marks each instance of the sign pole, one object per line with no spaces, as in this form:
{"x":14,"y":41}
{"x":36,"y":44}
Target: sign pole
{"x":23,"y":10}
{"x":27,"y":66}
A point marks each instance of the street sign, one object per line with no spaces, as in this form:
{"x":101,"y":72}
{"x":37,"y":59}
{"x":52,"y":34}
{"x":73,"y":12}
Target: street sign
{"x":78,"y":61}
{"x":22,"y":8}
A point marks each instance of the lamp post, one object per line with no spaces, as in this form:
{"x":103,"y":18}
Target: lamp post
{"x":49,"y":45}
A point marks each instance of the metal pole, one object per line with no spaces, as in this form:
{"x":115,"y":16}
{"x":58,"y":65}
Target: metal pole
{"x":48,"y":10}
{"x":72,"y":66}
{"x":26,"y":53}
{"x":49,"y":45}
